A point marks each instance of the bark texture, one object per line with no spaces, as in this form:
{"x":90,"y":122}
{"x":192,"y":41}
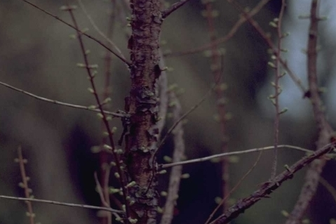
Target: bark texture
{"x":142,"y":105}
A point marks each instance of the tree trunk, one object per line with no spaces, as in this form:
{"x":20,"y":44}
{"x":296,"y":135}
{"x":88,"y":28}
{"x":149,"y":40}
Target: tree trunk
{"x":142,"y":106}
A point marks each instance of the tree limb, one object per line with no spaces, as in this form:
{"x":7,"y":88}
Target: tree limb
{"x":268,"y":187}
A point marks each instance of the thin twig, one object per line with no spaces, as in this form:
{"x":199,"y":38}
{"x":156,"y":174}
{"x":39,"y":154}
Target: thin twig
{"x":267,"y":188}
{"x":323,"y":127}
{"x":76,"y":106}
{"x":277,"y":90}
{"x":80,"y":32}
{"x":161,"y":88}
{"x":61,"y":203}
{"x":163,"y":166}
{"x":173,"y":7}
{"x":176,"y":172}
{"x":103,"y":115}
{"x":105,"y":158}
{"x":25,"y":186}
{"x":98,"y":30}
{"x":102,"y":197}
{"x":100,"y":191}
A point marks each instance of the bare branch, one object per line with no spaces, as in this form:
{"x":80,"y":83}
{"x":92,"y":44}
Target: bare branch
{"x":324,"y":129}
{"x":103,"y":198}
{"x":100,"y":191}
{"x":98,"y":30}
{"x":24,"y":185}
{"x":103,"y":115}
{"x":277,"y":90}
{"x":161,"y":88}
{"x":173,"y":7}
{"x":207,"y":158}
{"x":89,"y":108}
{"x":62,"y":203}
{"x":176,"y":172}
{"x":105,"y":159}
{"x":268,"y":187}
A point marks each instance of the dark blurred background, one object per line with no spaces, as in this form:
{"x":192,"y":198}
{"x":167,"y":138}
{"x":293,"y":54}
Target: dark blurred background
{"x":37,"y":55}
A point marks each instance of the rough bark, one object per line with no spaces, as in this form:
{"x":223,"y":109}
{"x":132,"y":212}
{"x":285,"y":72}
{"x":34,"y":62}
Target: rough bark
{"x":142,"y":106}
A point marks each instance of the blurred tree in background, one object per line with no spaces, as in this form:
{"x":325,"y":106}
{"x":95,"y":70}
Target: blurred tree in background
{"x":39,"y":55}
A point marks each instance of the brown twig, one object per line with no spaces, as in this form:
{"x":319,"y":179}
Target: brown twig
{"x":104,"y":198}
{"x":108,"y":39}
{"x":268,"y":187}
{"x":173,"y":8}
{"x":62,"y":203}
{"x":76,"y":106}
{"x":80,"y":32}
{"x":100,"y":192}
{"x":24,"y":185}
{"x":103,"y":115}
{"x":277,"y":89}
{"x":176,"y":172}
{"x":105,"y":158}
{"x":324,"y":129}
{"x":207,"y":158}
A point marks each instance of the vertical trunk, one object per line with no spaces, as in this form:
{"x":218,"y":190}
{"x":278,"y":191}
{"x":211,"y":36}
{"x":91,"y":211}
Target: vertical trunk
{"x":142,"y":106}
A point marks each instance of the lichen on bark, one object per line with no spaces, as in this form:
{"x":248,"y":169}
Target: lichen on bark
{"x":142,"y":107}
